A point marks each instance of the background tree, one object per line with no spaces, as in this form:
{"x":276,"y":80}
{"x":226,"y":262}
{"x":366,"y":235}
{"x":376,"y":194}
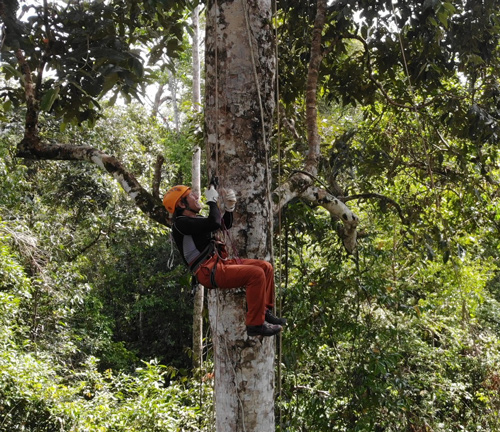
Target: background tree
{"x":401,"y":65}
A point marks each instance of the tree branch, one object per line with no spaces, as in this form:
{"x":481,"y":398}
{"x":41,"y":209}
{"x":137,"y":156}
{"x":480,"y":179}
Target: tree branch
{"x":32,"y":104}
{"x":149,"y":204}
{"x":32,"y":147}
{"x":291,"y":128}
{"x":312,"y":87}
{"x":157,"y":175}
{"x":301,"y":185}
{"x":86,"y":247}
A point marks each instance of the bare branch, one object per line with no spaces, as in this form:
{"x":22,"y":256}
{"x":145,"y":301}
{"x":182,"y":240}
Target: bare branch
{"x":323,"y":394}
{"x":301,"y":185}
{"x":157,"y":175}
{"x":291,"y":127}
{"x":31,"y":127}
{"x":321,"y":182}
{"x":148,"y":203}
{"x":86,"y":247}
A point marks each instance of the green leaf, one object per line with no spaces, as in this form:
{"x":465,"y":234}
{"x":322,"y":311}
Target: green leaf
{"x":449,"y":7}
{"x":10,"y":71}
{"x":109,"y":82}
{"x":7,"y":105}
{"x":49,"y":98}
{"x":443,"y":18}
{"x":433,"y":21}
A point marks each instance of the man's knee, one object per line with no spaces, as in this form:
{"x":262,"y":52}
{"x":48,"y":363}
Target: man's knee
{"x":268,"y":267}
{"x":258,"y":274}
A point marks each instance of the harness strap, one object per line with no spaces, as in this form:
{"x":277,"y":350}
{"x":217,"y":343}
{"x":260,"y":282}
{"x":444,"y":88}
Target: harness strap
{"x":202,"y":257}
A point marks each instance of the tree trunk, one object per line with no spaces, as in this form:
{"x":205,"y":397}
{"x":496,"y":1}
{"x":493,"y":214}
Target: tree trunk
{"x":239,"y":109}
{"x":158,"y":100}
{"x":200,"y":291}
{"x":172,"y":86}
{"x":196,"y":60}
{"x":199,"y":295}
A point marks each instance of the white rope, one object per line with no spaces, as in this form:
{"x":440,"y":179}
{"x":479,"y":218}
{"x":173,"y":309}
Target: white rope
{"x":280,"y":228}
{"x":261,"y":108}
{"x":416,"y":113}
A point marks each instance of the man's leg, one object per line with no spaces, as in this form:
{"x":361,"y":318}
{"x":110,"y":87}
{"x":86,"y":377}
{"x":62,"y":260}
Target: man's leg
{"x":231,"y":275}
{"x":269,"y":275}
{"x":269,"y":295}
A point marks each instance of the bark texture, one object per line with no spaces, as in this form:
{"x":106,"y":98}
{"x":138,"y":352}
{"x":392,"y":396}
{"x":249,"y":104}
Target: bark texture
{"x":311,"y":89}
{"x":240,"y":70}
{"x":195,"y":17}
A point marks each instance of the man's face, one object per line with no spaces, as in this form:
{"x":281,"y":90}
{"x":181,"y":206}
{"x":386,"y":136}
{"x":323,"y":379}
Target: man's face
{"x":193,"y":202}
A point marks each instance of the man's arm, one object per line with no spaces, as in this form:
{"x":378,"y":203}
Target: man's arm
{"x":228,"y":219}
{"x":201,"y":225}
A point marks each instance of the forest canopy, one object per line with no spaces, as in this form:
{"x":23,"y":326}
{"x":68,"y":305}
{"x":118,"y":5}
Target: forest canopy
{"x":95,"y":306}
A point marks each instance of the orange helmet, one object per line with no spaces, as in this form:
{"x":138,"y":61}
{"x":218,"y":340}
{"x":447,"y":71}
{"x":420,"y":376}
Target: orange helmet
{"x":174,"y":195}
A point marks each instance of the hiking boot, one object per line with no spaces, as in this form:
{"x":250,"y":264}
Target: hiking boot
{"x":272,"y":319}
{"x":265,"y":329}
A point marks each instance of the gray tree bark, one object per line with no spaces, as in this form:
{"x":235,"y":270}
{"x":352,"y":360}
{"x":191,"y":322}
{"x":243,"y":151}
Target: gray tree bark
{"x":195,"y":17}
{"x":239,"y":105}
{"x":172,"y":86}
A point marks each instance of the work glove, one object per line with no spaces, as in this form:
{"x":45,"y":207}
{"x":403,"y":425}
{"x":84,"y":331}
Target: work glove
{"x":211,"y":194}
{"x":229,"y":200}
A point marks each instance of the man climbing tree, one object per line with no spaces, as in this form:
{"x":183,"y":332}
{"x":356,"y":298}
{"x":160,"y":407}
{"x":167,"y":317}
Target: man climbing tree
{"x":208,"y":259}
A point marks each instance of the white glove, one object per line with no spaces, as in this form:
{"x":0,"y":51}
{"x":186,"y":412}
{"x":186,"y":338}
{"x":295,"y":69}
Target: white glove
{"x":211,"y":194}
{"x":229,"y":200}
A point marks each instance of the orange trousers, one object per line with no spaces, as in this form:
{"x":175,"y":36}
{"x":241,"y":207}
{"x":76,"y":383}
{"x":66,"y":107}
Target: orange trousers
{"x":257,"y":276}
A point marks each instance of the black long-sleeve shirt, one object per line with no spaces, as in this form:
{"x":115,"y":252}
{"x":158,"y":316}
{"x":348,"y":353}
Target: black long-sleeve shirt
{"x":193,"y":234}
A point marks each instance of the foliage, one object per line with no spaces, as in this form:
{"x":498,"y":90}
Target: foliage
{"x":88,"y":49}
{"x":412,"y":56}
{"x":389,"y":341}
{"x":35,"y":396}
{"x":78,"y":266}
{"x":402,"y":336}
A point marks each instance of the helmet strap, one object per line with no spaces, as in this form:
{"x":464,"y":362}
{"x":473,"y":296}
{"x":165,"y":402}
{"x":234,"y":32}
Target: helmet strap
{"x":184,"y":201}
{"x":191,"y":210}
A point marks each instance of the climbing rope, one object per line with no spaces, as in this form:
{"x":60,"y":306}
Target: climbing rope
{"x":416,"y":113}
{"x":268,"y":171}
{"x":216,"y":148}
{"x":278,"y":291}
